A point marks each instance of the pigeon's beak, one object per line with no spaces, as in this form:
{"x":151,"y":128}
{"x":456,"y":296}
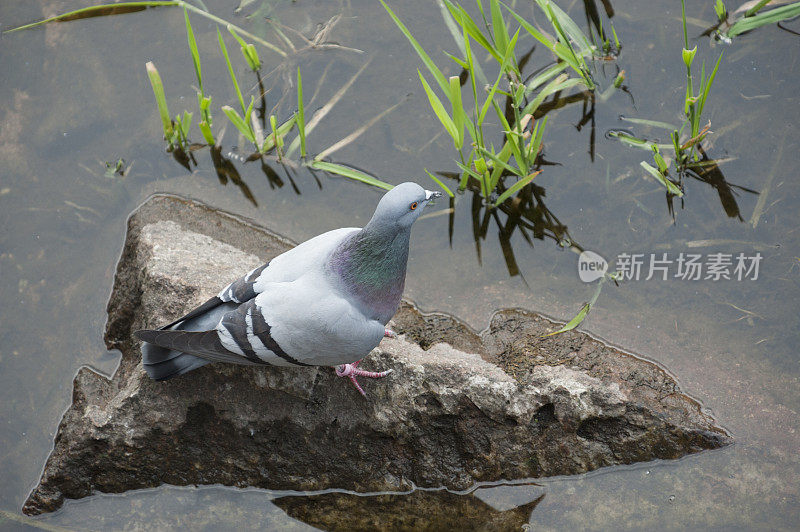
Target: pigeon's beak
{"x":430,"y":195}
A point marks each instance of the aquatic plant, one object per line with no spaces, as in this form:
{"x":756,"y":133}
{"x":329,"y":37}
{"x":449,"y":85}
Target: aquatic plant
{"x":518,"y":157}
{"x":686,"y":140}
{"x":751,"y":16}
{"x":177,"y":130}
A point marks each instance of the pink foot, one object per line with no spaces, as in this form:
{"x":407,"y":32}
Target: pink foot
{"x":351,"y":371}
{"x":388,"y":333}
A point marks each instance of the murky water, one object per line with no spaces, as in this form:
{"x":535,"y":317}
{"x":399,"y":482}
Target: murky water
{"x":75,"y":95}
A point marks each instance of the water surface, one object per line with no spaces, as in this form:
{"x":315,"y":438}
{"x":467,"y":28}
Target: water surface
{"x":76,"y":95}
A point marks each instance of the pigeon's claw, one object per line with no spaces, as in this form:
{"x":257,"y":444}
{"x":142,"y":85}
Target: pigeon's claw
{"x":388,"y":333}
{"x":351,"y":371}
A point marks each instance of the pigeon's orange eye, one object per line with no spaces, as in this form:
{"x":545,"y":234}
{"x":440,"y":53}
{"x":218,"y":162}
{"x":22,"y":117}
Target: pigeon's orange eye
{"x":413,"y":206}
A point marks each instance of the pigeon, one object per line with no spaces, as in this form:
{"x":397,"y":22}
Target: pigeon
{"x":325,"y":302}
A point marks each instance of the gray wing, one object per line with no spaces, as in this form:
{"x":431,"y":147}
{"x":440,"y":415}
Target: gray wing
{"x":241,"y":336}
{"x":203,"y":344}
{"x":239,"y":291}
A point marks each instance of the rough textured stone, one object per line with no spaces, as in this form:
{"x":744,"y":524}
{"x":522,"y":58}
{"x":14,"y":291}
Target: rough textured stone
{"x":461,"y":407}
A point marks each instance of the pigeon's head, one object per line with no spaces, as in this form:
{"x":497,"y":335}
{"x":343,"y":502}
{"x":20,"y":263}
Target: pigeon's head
{"x":402,"y":205}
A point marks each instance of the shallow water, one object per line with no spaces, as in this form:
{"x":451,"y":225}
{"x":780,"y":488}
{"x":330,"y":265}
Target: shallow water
{"x":76,"y":95}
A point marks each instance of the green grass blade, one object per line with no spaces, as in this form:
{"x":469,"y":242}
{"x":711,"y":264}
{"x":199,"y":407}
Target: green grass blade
{"x":501,"y":36}
{"x":565,"y":53}
{"x":236,"y":36}
{"x":462,"y":184}
{"x":527,"y":26}
{"x":512,"y":137}
{"x":756,"y":8}
{"x":498,"y":161}
{"x":660,"y":162}
{"x":248,"y":50}
{"x":277,"y":138}
{"x":452,"y":27}
{"x":538,"y":137}
{"x":636,"y":142}
{"x":207,"y":134}
{"x":352,"y":173}
{"x":438,"y":182}
{"x":545,"y":75}
{"x":204,"y":103}
{"x":566,"y":44}
{"x":669,"y":185}
{"x":490,"y":98}
{"x":94,"y":11}
{"x":249,"y":111}
{"x":463,"y":64}
{"x":475,"y":129}
{"x":558,"y":84}
{"x":459,"y":116}
{"x":301,"y":118}
{"x":513,"y":189}
{"x":439,"y":109}
{"x":161,"y":98}
{"x":469,"y":171}
{"x":472,"y":28}
{"x":706,"y":89}
{"x":426,"y":59}
{"x":102,"y":9}
{"x":561,"y":50}
{"x":282,"y":130}
{"x":774,"y":15}
{"x":231,"y":72}
{"x":574,"y":322}
{"x":583,"y":312}
{"x":193,"y":49}
{"x":238,"y":121}
{"x":570,"y":28}
{"x":321,"y":113}
{"x":186,"y":123}
{"x":504,"y":155}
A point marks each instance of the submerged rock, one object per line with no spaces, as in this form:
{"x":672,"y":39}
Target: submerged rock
{"x":460,"y":407}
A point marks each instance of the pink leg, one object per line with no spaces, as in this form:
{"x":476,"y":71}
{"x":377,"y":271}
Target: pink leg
{"x":388,"y":333}
{"x":351,"y":371}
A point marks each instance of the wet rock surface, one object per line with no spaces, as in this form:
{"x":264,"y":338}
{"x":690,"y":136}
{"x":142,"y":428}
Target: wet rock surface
{"x":461,"y":407}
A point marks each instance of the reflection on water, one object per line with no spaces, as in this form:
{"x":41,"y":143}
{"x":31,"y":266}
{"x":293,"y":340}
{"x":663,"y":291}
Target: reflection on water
{"x":524,"y":214}
{"x":708,"y":171}
{"x":418,"y":510}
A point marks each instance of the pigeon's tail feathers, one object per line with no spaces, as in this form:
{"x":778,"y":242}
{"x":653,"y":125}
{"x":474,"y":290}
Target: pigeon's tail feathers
{"x":202,"y":344}
{"x":199,"y":312}
{"x":162,"y":363}
{"x":188,"y":343}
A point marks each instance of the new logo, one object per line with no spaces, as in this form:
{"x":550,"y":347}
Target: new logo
{"x":591,"y":266}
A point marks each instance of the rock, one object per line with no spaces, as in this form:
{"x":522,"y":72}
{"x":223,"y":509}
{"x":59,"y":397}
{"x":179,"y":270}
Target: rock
{"x":460,"y":407}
